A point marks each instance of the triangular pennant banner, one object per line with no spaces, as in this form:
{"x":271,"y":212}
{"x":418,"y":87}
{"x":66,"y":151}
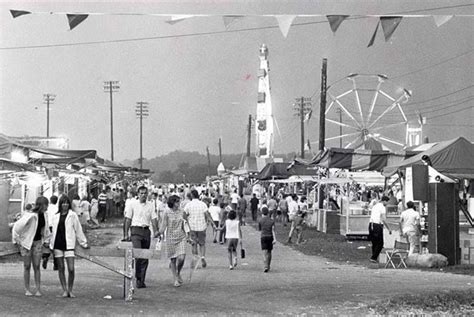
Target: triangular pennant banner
{"x":441,"y":19}
{"x":389,"y":24}
{"x":372,"y":39}
{"x":178,"y":18}
{"x":75,"y":19}
{"x":335,"y":21}
{"x":17,"y":13}
{"x":229,"y":19}
{"x":284,"y":22}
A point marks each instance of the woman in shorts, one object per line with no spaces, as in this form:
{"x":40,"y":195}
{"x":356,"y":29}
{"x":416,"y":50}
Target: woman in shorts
{"x":30,"y":232}
{"x":66,"y":230}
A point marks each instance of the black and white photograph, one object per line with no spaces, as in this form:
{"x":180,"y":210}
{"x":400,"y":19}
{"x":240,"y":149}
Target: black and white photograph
{"x":236,"y":157}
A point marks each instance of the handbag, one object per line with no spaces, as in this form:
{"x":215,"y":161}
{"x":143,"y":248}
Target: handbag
{"x":242,"y":251}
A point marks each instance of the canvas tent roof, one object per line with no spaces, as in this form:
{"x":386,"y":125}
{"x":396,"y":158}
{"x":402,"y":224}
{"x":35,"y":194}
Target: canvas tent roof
{"x":454,"y":158}
{"x":44,"y":155}
{"x":356,"y":159}
{"x":12,"y":166}
{"x":284,"y":170}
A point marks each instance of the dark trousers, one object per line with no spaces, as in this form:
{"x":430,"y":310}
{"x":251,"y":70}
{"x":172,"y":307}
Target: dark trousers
{"x":102,"y":212}
{"x":254,"y":214}
{"x":376,"y":236}
{"x":222,"y":235}
{"x":141,"y":238}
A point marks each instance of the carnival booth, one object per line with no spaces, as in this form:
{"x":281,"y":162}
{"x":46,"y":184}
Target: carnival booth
{"x":283,"y":171}
{"x":344,"y":174}
{"x":440,"y":179}
{"x":28,"y":171}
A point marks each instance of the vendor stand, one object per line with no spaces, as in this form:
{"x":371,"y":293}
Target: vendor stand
{"x":352,"y":217}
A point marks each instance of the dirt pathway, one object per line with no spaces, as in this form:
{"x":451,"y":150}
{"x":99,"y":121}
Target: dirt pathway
{"x":296,"y":284}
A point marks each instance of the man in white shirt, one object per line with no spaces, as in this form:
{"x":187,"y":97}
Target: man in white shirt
{"x":234,"y":200}
{"x":198,"y":217}
{"x":377,"y":221}
{"x":410,"y":226}
{"x":138,"y":218}
{"x":292,"y":211}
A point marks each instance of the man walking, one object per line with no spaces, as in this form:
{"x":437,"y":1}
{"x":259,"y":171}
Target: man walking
{"x":198,"y":217}
{"x":272,"y":207}
{"x":242,"y":209}
{"x":138,"y":218}
{"x":254,"y":206}
{"x":410,"y":226}
{"x":377,"y":221}
{"x":267,"y":227}
{"x":292,"y":212}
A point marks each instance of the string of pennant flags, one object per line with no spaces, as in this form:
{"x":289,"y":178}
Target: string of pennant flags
{"x":388,"y":23}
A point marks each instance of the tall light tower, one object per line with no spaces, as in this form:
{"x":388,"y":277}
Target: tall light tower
{"x":111,"y":87}
{"x":141,"y":110}
{"x":48,"y":99}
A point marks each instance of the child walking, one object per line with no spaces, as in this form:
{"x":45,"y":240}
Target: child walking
{"x":233,"y":233}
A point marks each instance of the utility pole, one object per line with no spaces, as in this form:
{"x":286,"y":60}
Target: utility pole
{"x":220,"y":150}
{"x":303,"y":106}
{"x":208,"y":162}
{"x":322,"y":109}
{"x":249,"y":134}
{"x":141,"y":110}
{"x":111,"y":87}
{"x":48,"y":99}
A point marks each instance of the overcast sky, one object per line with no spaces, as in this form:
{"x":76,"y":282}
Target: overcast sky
{"x":200,"y":80}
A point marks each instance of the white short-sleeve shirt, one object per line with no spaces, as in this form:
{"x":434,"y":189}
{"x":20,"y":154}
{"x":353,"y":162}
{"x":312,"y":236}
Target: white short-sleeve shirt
{"x":141,"y":213}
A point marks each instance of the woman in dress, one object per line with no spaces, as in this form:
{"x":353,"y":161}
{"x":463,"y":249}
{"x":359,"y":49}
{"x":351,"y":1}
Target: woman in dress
{"x":177,"y":233}
{"x":30,"y":232}
{"x":66,"y":230}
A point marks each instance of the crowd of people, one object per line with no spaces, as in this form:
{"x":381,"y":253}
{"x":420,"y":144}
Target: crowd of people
{"x":176,"y":216}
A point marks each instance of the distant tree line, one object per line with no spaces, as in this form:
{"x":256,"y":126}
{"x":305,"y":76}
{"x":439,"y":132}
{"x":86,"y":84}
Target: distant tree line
{"x":190,"y":167}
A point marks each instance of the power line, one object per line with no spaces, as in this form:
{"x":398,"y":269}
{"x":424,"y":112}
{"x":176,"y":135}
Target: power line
{"x":446,"y":114}
{"x":442,"y":96}
{"x":419,"y":70}
{"x":444,"y":106}
{"x":450,"y":125}
{"x":434,"y":65}
{"x":216,"y":32}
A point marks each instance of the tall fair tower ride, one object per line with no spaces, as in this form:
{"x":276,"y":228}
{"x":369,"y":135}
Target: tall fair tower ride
{"x":264,"y":118}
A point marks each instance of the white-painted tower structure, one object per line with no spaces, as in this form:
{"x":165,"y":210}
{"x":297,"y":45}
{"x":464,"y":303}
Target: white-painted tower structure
{"x":264,"y":117}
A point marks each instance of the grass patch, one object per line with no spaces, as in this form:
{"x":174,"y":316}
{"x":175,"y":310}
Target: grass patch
{"x":448,"y":302}
{"x":334,"y":247}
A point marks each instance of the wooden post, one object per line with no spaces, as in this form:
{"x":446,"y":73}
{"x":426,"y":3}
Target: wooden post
{"x":128,"y":282}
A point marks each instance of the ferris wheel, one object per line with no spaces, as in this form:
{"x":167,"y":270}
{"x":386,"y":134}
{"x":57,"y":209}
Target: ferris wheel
{"x":365,"y":111}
